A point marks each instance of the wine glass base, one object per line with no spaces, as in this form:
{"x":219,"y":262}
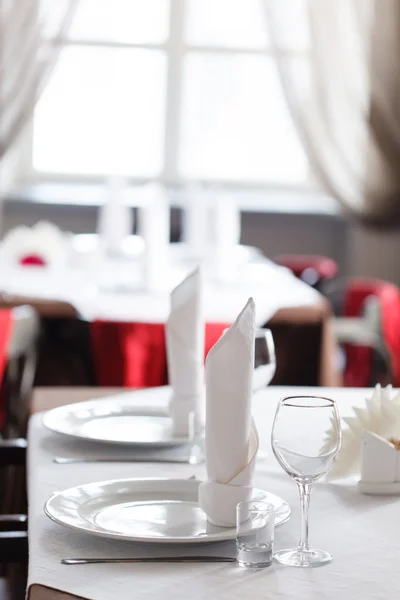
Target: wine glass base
{"x":307,"y":559}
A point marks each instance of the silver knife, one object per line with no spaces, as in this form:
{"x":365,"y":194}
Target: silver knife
{"x":155,"y":559}
{"x":64,"y":460}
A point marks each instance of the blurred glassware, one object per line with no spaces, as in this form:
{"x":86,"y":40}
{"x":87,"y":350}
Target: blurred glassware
{"x":264,"y":359}
{"x":115,"y":219}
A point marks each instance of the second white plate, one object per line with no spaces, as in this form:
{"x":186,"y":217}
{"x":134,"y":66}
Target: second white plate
{"x":115,"y":420}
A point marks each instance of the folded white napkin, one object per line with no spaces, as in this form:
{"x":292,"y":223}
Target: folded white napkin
{"x":115,"y":221}
{"x":225,"y":227}
{"x":185,"y":332}
{"x":231,"y":435}
{"x":154,"y":226}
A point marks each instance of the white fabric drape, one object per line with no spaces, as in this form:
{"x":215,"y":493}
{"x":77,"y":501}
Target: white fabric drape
{"x":343,"y":89}
{"x":31,"y":33}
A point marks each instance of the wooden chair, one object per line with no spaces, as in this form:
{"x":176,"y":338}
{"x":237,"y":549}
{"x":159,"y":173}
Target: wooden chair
{"x":20,"y":371}
{"x":13,"y":532}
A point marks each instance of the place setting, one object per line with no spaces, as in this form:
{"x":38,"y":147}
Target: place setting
{"x":176,"y":422}
{"x":203,"y":419}
{"x":155,"y":420}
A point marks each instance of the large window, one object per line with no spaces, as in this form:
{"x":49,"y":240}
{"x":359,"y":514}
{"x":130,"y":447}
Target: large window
{"x":177,"y":90}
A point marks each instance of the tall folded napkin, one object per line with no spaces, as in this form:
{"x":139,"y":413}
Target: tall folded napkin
{"x":154,"y":226}
{"x":225,"y":227}
{"x":231,"y":435}
{"x":185,"y":352}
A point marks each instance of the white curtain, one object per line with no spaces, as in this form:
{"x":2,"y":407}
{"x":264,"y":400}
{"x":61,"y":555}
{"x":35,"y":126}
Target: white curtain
{"x":343,"y":90}
{"x":31,"y":34}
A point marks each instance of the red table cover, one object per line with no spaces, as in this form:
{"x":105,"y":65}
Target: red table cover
{"x":134,"y":354}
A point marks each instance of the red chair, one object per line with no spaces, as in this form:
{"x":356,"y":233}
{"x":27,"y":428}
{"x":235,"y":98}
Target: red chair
{"x":314,"y":270}
{"x":360,"y":358}
{"x":369,"y":331}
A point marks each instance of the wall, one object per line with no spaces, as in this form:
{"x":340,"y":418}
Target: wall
{"x":374,"y":254}
{"x":299,"y":234}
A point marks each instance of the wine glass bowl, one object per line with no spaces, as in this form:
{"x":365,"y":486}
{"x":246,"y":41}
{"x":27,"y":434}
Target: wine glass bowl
{"x":264,"y":359}
{"x":306,"y":453}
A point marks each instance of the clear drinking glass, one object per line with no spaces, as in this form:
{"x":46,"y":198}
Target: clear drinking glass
{"x":255,"y":522}
{"x":304,"y":450}
{"x":264,"y":359}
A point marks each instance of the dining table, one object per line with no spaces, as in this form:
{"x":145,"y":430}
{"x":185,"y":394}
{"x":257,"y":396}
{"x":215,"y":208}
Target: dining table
{"x":70,"y":297}
{"x":362,"y":532}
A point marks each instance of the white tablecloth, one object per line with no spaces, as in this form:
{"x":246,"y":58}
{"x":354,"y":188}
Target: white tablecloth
{"x":113,"y":291}
{"x":362,"y":532}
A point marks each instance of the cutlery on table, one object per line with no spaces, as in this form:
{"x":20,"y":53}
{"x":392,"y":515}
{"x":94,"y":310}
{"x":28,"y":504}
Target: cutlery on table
{"x":155,"y":559}
{"x":65,"y":460}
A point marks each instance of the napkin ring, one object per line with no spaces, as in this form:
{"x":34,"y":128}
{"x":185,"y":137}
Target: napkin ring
{"x":219,"y":501}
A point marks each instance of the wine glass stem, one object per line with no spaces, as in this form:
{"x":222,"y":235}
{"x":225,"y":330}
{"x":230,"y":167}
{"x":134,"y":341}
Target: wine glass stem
{"x":304,"y":490}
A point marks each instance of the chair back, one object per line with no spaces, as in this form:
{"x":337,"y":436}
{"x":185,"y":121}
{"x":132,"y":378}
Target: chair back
{"x":378,"y":303}
{"x":20,"y":372}
{"x":312,"y":269}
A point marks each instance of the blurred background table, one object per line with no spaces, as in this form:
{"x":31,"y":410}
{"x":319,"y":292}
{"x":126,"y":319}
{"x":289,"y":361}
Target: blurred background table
{"x":70,"y":298}
{"x":304,"y":341}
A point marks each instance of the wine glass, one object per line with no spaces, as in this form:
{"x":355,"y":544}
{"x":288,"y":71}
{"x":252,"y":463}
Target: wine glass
{"x":264,"y":359}
{"x":306,"y":453}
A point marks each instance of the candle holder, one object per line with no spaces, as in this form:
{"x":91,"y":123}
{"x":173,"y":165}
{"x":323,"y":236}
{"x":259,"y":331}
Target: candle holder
{"x":380,"y":465}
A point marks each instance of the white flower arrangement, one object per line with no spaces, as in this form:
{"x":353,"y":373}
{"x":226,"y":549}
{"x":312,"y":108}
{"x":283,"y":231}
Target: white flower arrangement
{"x":380,"y":416}
{"x":43,"y":245}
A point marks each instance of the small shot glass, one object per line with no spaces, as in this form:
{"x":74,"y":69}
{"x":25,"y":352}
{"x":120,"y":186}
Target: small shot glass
{"x":255,"y":524}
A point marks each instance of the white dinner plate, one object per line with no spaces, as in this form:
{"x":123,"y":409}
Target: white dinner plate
{"x":114,"y":420}
{"x":162,"y":511}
